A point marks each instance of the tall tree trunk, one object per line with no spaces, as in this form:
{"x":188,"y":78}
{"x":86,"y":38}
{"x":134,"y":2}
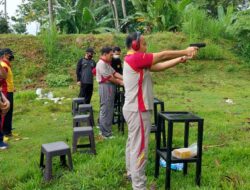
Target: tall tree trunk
{"x":115,"y":13}
{"x":124,"y":12}
{"x":50,"y":7}
{"x":5,"y":9}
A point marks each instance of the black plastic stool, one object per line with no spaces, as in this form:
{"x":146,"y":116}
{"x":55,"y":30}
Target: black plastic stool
{"x":75,"y":103}
{"x":82,"y":132}
{"x":87,"y":108}
{"x":54,"y":149}
{"x":158,"y":103}
{"x":166,"y":152}
{"x":81,"y":120}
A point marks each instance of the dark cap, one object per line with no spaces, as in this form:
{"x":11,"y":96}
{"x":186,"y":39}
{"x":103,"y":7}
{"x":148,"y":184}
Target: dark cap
{"x":90,"y":50}
{"x":7,"y":51}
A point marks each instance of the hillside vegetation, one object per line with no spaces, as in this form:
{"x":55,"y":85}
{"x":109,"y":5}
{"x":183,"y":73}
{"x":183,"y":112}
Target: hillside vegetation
{"x":201,"y":86}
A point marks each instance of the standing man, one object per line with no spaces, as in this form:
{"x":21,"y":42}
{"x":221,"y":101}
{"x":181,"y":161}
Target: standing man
{"x":84,"y":75}
{"x":4,"y":107}
{"x":7,"y":84}
{"x":139,"y":99}
{"x":116,"y":63}
{"x":107,"y":78}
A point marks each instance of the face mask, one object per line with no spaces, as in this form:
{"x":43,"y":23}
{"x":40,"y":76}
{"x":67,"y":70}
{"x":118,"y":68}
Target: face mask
{"x":11,"y":58}
{"x":116,"y":56}
{"x":90,"y":57}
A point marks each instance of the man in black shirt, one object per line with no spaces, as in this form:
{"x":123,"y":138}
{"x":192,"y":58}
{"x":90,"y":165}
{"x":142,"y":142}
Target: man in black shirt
{"x":116,"y":60}
{"x":116,"y":64}
{"x":85,"y":76}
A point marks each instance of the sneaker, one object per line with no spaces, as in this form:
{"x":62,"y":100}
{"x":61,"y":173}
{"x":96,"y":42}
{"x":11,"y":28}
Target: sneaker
{"x":109,"y":137}
{"x":127,"y":177}
{"x":3,"y":145}
{"x":8,"y":135}
{"x":5,"y":139}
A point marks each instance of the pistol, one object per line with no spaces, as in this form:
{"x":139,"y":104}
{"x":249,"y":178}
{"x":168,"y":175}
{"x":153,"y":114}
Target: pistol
{"x":199,"y":45}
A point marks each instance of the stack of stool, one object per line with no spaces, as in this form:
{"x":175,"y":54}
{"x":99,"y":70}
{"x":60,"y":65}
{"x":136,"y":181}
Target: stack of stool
{"x":83,"y":127}
{"x":54,"y":149}
{"x":75,"y":104}
{"x":87,"y":108}
{"x":81,"y":120}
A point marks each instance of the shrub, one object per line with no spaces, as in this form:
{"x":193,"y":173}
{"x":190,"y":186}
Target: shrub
{"x":211,"y":52}
{"x":240,"y":29}
{"x":49,"y":39}
{"x":198,"y":25}
{"x":55,"y":80}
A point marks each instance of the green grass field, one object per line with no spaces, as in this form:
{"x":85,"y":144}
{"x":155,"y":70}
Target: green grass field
{"x":200,"y":86}
{"x":226,"y":149}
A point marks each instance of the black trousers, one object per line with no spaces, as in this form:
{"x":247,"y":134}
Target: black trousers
{"x":86,"y":91}
{"x":7,"y":119}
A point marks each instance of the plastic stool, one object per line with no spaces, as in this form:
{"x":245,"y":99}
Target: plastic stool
{"x":87,"y":108}
{"x":54,"y":149}
{"x":82,"y":132}
{"x":79,"y":120}
{"x":75,"y":103}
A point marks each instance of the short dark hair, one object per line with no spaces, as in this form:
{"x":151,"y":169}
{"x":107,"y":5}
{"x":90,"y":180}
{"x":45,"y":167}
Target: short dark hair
{"x":90,"y":50}
{"x":130,"y":38}
{"x":106,"y":50}
{"x":1,"y":53}
{"x":116,"y":49}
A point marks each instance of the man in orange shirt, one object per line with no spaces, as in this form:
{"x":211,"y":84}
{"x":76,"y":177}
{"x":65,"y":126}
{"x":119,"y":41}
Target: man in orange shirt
{"x":6,"y":82}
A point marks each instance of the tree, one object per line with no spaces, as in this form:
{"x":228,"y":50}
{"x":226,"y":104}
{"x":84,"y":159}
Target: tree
{"x":34,"y":10}
{"x":4,"y":26}
{"x":115,"y":13}
{"x":5,"y":9}
{"x":124,"y":12}
{"x":212,"y":5}
{"x":124,"y":9}
{"x":19,"y":26}
{"x":82,"y":17}
{"x":50,"y":8}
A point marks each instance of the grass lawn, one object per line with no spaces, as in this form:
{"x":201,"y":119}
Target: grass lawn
{"x":201,"y":88}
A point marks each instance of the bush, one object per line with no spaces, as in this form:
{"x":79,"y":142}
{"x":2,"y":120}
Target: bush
{"x":240,"y":29}
{"x":49,"y":39}
{"x":211,"y":52}
{"x":55,"y":80}
{"x":198,"y":25}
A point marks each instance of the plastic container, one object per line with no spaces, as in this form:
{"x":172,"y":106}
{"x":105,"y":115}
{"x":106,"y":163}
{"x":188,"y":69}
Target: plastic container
{"x":176,"y":166}
{"x":183,"y":153}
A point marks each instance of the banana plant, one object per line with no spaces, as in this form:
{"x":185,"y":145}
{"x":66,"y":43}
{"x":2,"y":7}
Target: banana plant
{"x":80,"y":18}
{"x":157,"y":15}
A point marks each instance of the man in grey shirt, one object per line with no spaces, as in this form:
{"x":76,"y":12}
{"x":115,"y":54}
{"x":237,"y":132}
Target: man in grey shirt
{"x":107,"y":78}
{"x":85,"y":76}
